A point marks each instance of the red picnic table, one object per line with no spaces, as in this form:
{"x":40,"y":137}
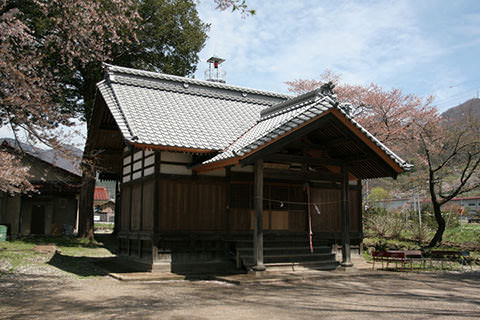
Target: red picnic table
{"x":396,"y":256}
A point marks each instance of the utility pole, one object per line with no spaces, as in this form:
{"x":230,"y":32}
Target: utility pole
{"x":419,"y":211}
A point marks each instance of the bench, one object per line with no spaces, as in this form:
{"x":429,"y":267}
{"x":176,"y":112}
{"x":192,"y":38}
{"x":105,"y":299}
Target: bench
{"x":388,"y":257}
{"x":450,"y":255}
{"x":397,"y":257}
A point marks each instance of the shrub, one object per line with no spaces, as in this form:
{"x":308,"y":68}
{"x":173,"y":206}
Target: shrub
{"x":421,"y":233}
{"x":383,"y":223}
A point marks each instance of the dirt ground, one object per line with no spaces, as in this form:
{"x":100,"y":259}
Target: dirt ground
{"x":42,"y":294}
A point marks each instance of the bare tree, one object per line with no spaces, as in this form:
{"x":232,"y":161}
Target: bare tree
{"x":450,"y":154}
{"x":446,"y":152}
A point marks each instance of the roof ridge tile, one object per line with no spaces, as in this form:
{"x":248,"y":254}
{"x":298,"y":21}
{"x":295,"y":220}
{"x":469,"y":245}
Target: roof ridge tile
{"x":112,"y":69}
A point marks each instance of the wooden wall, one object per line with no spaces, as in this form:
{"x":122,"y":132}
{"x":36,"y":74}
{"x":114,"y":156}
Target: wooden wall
{"x":137,"y":206}
{"x":328,"y":202}
{"x":283,"y":206}
{"x":198,"y":203}
{"x":191,"y":205}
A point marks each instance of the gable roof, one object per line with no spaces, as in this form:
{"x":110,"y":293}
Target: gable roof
{"x":51,"y":157}
{"x":279,"y":120}
{"x":163,"y":110}
{"x":158,"y":110}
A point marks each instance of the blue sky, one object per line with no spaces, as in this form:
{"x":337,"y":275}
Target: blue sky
{"x":421,"y":47}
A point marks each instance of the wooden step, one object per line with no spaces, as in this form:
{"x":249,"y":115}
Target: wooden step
{"x":302,"y":266}
{"x":285,"y":250}
{"x":288,"y":258}
{"x":278,"y":243}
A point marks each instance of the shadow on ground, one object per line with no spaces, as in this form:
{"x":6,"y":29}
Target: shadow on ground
{"x":392,"y":296}
{"x":80,"y":266}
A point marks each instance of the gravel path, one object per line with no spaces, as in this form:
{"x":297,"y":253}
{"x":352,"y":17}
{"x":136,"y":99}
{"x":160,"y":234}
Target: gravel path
{"x":48,"y":294}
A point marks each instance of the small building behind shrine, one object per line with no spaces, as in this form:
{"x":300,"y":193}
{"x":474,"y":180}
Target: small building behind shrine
{"x":53,"y":208}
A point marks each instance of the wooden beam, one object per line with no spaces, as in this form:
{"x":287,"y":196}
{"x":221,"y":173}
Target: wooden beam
{"x":170,"y":148}
{"x":258,"y":225}
{"x":345,"y":207}
{"x":362,"y":137}
{"x":287,"y":158}
{"x":287,"y":138}
{"x":301,"y":176}
{"x":330,"y":142}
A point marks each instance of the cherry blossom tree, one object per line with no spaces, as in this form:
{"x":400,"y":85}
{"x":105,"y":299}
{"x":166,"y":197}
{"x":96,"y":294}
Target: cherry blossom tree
{"x":30,"y":90}
{"x":387,"y":114}
{"x":51,"y":55}
{"x":445,"y":152}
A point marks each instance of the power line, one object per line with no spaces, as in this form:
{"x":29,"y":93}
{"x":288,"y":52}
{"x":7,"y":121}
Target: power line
{"x":452,"y":99}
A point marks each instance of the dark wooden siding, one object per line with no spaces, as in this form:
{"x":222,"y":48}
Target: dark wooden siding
{"x":194,"y":205}
{"x":355,"y":210}
{"x":241,"y":206}
{"x":125,"y":208}
{"x":135,"y":214}
{"x":284,"y":207}
{"x":191,"y":205}
{"x":329,"y":203}
{"x":148,"y":204}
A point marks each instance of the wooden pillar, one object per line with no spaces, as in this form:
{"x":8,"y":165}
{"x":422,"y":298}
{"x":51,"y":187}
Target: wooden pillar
{"x":360,"y":209}
{"x":156,"y":207}
{"x":258,"y":226}
{"x":346,"y":256}
{"x":228,"y":200}
{"x":116,"y":223}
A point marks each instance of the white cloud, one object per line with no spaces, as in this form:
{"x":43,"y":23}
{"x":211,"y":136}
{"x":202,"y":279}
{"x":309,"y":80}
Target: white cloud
{"x":385,"y":42}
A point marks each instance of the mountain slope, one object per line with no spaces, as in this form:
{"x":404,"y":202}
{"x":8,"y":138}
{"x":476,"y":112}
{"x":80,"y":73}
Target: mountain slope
{"x":469,"y":108}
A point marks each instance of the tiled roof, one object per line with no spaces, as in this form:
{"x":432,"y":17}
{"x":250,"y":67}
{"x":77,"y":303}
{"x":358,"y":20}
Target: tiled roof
{"x":277,"y":120}
{"x":100,"y":193}
{"x":158,"y":109}
{"x":164,"y":110}
{"x":69,"y":163}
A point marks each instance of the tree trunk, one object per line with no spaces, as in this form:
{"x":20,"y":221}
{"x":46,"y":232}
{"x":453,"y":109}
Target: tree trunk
{"x":85,"y":228}
{"x":437,"y":238}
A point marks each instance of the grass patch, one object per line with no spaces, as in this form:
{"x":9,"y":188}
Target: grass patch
{"x":62,"y":241}
{"x":464,"y":235}
{"x":74,"y":255}
{"x":16,"y":254}
{"x":103,"y":225}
